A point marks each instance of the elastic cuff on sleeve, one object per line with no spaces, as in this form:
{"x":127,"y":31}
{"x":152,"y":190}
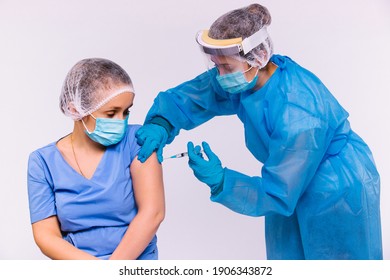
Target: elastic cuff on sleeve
{"x":216,"y":190}
{"x":162,"y":122}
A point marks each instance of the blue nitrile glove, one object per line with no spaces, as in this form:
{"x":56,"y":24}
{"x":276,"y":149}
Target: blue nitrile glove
{"x":151,"y":137}
{"x":208,"y":171}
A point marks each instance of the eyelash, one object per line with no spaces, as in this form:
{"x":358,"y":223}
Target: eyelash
{"x":112,"y":114}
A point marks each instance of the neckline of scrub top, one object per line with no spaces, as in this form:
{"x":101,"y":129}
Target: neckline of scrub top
{"x":74,"y":170}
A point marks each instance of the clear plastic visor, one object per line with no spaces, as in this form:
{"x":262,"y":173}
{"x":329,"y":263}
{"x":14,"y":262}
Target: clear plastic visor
{"x":226,"y":55}
{"x":226,"y":64}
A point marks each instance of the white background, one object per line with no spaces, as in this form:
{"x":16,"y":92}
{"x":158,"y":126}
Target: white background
{"x":345,"y":43}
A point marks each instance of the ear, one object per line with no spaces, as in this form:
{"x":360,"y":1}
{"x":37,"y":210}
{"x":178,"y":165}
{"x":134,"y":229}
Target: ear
{"x":260,"y":58}
{"x":72,"y":108}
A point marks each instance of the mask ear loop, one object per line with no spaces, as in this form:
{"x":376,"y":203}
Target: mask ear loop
{"x":82,"y":121}
{"x":247,"y":70}
{"x":257,"y":72}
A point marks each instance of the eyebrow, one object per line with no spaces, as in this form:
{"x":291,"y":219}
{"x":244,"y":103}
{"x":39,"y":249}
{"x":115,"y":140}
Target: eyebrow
{"x":222,"y":63}
{"x":117,"y":108}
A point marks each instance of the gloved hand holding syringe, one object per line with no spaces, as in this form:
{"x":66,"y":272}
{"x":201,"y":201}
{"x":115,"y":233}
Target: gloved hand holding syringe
{"x":208,"y":171}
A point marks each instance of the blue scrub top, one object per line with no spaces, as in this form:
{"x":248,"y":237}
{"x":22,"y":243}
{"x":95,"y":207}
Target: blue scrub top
{"x":319,"y":186}
{"x":95,"y":213}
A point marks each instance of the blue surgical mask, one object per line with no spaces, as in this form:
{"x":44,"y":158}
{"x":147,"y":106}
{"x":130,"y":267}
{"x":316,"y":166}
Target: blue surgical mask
{"x":235,"y":82}
{"x":107,"y":131}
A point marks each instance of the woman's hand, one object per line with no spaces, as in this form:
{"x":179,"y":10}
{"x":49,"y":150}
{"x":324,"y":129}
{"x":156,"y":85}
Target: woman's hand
{"x":49,"y":239}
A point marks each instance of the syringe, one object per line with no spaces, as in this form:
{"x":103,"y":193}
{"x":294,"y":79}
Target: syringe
{"x":180,"y":155}
{"x":185,"y":154}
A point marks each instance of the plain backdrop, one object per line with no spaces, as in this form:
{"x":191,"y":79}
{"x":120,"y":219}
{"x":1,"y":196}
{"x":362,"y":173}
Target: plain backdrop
{"x":345,"y":43}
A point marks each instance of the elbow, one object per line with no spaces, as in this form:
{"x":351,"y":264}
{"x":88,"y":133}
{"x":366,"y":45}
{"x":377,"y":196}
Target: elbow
{"x":154,"y":218}
{"x":283,"y":206}
{"x":40,"y":245}
{"x":39,"y":240}
{"x":158,"y":213}
{"x":159,"y":217}
{"x":43,"y":244}
{"x":288,"y":211}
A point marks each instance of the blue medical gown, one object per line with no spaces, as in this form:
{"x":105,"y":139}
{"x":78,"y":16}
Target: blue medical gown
{"x":319,"y":187}
{"x":95,"y":213}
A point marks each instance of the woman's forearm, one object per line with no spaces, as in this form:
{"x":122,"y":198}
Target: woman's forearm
{"x":47,"y":236}
{"x":59,"y":249}
{"x":138,"y":235}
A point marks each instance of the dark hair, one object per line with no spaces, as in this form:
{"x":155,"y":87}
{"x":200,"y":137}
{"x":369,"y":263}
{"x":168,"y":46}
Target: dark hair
{"x":243,"y":23}
{"x":240,"y":22}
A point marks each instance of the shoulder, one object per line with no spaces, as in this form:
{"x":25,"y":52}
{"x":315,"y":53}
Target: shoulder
{"x":128,"y":147}
{"x":132,"y":129}
{"x":293,"y":73}
{"x":298,"y":85}
{"x":129,"y":140}
{"x":130,"y":133}
{"x":41,"y":160}
{"x":44,"y":151}
{"x":300,"y":90}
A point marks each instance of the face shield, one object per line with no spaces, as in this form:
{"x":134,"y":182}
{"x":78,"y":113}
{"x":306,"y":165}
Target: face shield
{"x":228,"y":55}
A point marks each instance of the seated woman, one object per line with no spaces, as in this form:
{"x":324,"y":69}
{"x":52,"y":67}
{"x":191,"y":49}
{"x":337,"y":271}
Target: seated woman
{"x":89,"y":197}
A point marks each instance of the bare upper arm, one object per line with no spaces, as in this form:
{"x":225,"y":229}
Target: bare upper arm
{"x":148,"y":184}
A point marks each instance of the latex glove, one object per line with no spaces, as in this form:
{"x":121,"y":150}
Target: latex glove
{"x":208,"y":171}
{"x":151,"y":137}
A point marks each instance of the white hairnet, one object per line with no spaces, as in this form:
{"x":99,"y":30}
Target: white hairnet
{"x":90,"y":84}
{"x":243,"y":23}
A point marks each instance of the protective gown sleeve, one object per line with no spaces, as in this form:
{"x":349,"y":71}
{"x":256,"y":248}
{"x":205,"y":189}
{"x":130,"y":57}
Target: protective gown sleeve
{"x":192,"y":103}
{"x":297,"y":145}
